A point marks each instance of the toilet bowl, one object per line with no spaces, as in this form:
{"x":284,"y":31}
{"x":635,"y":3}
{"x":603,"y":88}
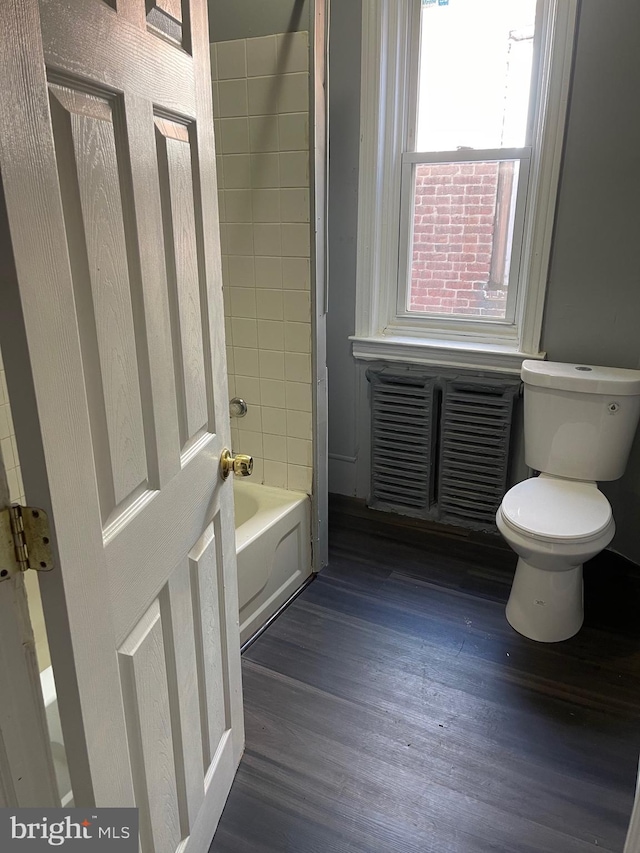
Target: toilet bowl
{"x":554,"y":526}
{"x":579,"y":424}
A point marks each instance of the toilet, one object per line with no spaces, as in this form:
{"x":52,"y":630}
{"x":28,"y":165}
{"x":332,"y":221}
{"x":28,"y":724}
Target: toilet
{"x":579,"y":424}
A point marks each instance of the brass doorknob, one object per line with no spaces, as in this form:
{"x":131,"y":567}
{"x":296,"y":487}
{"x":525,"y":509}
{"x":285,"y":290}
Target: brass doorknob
{"x":241,"y":464}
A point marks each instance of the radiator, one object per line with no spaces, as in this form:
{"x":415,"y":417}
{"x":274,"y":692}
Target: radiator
{"x":440,"y":444}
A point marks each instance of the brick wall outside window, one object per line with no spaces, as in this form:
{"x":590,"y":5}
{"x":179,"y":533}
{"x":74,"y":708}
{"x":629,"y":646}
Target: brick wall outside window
{"x":454,"y":223}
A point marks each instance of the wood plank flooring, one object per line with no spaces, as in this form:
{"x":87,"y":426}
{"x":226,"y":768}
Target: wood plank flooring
{"x":392,"y":708}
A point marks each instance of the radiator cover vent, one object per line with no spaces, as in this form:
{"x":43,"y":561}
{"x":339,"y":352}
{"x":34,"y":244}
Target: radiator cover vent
{"x":475,"y":428}
{"x":402,"y":421}
{"x":440,"y":443}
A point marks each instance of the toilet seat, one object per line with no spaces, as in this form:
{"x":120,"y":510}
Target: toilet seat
{"x":553,"y":510}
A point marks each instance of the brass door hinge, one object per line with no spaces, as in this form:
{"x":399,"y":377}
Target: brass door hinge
{"x":24,"y":541}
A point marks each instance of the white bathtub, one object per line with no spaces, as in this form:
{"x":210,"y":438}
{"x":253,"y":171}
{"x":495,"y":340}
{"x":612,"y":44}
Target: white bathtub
{"x":273,"y":543}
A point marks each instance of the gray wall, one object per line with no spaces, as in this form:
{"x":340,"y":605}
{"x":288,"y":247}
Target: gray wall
{"x":593,"y":301}
{"x":241,"y":19}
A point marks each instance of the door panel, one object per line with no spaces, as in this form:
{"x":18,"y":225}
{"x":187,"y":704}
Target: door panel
{"x":181,"y":252}
{"x":90,"y":179}
{"x":107,"y":155}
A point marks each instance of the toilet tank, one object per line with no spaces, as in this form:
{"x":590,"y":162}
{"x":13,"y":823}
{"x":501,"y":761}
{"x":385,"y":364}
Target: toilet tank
{"x":579,"y":420}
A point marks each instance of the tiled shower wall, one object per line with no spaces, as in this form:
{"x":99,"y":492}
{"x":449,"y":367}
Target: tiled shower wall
{"x":261,"y":107}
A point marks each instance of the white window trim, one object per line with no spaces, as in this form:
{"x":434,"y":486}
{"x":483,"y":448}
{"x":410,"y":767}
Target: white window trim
{"x":386,"y":42}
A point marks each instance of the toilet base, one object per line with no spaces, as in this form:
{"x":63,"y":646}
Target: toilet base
{"x":546,"y":606}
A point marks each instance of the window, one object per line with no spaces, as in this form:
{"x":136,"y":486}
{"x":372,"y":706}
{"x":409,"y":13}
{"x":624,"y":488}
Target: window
{"x":462,"y":119}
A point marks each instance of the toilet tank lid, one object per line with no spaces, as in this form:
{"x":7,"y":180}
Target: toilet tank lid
{"x":585,"y":378}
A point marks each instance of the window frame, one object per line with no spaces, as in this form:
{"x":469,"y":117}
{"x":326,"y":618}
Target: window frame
{"x":390,"y":43}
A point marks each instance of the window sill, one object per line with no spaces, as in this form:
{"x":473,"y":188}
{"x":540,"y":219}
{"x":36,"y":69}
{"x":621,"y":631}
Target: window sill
{"x":465,"y":354}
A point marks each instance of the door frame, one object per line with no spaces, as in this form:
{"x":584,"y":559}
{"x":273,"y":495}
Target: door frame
{"x":319,"y":199}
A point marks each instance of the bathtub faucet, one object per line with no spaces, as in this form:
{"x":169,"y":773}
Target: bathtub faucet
{"x":237,"y":407}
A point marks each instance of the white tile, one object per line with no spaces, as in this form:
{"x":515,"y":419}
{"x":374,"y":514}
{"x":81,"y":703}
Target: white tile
{"x":239,"y":238}
{"x":232,"y":60}
{"x":241,"y":271}
{"x":265,"y":170}
{"x":294,"y":169}
{"x":237,"y":205}
{"x":272,"y":393}
{"x":268,"y":239}
{"x":6,"y":428}
{"x":299,"y":451}
{"x":293,"y":131}
{"x":297,"y":366}
{"x":237,"y":171}
{"x":266,"y":205}
{"x":293,"y":93}
{"x":215,"y":97}
{"x":299,"y":424}
{"x":230,"y":362}
{"x":295,"y":240}
{"x":221,"y":209}
{"x":226,"y":299}
{"x":246,"y":362}
{"x":262,"y":57}
{"x":243,"y":301}
{"x":269,"y":304}
{"x":220,"y":171}
{"x":245,"y":333}
{"x":298,"y":396}
{"x":213,"y":54}
{"x":228,"y":332}
{"x":268,"y":272}
{"x":294,"y":205}
{"x":299,"y":478}
{"x":6,"y":445}
{"x":16,"y":455}
{"x":262,"y":95}
{"x":234,"y":135}
{"x":231,"y":384}
{"x":297,"y":306}
{"x":263,"y":133}
{"x":297,"y":337}
{"x":249,"y":442}
{"x":248,"y":387}
{"x":270,"y":334}
{"x":15,"y":490}
{"x":223,"y":238}
{"x":275,"y":421}
{"x":275,"y":474}
{"x":271,"y":364}
{"x":252,"y":420}
{"x":4,"y":392}
{"x":235,"y":438}
{"x":274,"y":447}
{"x":296,"y":274}
{"x":293,"y":52}
{"x":233,"y":98}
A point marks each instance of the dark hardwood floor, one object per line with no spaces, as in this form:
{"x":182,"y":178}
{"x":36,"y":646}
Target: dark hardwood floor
{"x":392,"y":708}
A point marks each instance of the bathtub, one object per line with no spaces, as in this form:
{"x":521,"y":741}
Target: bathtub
{"x":273,"y":544}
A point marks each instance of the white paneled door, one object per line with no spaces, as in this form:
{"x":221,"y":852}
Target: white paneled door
{"x":111,"y":323}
